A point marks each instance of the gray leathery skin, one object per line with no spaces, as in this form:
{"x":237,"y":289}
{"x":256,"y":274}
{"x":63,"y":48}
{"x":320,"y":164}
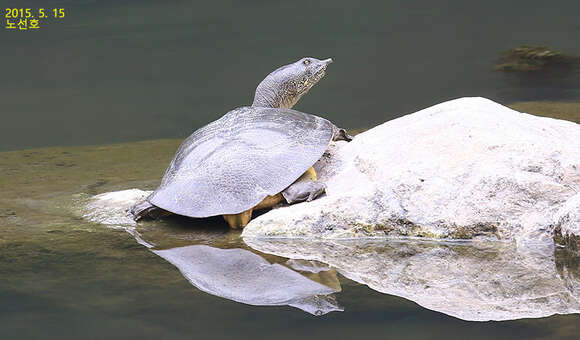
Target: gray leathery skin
{"x":233,"y":163}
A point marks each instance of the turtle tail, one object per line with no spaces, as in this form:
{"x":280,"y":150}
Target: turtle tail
{"x":146,"y":210}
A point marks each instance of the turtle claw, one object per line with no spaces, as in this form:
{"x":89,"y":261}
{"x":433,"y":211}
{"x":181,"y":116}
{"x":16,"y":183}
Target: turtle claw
{"x":318,"y":190}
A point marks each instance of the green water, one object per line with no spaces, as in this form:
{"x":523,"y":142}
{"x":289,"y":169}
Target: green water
{"x":117,"y":71}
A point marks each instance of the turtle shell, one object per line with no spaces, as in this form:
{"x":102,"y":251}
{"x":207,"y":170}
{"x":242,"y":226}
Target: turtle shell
{"x":233,"y":163}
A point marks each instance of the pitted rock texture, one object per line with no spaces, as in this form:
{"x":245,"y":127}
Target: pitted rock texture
{"x":568,"y":224}
{"x":467,"y":168}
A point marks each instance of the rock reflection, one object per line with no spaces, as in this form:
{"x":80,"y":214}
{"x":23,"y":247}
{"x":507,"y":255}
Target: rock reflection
{"x":470,"y":281}
{"x":245,"y":277}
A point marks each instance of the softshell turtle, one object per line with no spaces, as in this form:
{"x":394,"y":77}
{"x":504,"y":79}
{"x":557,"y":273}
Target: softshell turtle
{"x":253,"y":157}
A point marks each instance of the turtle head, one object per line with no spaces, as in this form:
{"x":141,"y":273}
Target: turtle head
{"x":284,"y":87}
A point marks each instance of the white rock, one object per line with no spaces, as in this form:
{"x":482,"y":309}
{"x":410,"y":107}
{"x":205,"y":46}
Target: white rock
{"x":461,"y":169}
{"x":111,"y":207}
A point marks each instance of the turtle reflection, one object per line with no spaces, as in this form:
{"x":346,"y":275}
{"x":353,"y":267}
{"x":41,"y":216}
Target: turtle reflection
{"x":245,"y":277}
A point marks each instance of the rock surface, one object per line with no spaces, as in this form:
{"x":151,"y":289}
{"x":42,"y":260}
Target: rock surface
{"x":568,"y":224}
{"x":471,"y":281}
{"x":463,"y":169}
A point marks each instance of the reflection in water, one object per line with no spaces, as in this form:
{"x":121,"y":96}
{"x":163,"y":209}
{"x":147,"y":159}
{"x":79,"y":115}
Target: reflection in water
{"x":468,"y":281}
{"x":243,"y":276}
{"x":557,"y":82}
{"x":235,"y":274}
{"x":472,"y":281}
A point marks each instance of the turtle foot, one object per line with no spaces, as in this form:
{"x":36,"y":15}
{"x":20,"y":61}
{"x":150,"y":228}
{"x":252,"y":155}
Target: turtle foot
{"x":240,"y":220}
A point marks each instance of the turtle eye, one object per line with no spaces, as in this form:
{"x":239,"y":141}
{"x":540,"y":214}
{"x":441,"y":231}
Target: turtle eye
{"x":306,"y":61}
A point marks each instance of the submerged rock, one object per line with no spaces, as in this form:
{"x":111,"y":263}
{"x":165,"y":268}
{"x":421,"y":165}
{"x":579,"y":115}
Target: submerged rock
{"x":477,"y":282}
{"x":531,"y":58}
{"x":462,"y":169}
{"x":111,"y":207}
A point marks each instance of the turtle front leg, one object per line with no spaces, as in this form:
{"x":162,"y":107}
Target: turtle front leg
{"x":303,"y":191}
